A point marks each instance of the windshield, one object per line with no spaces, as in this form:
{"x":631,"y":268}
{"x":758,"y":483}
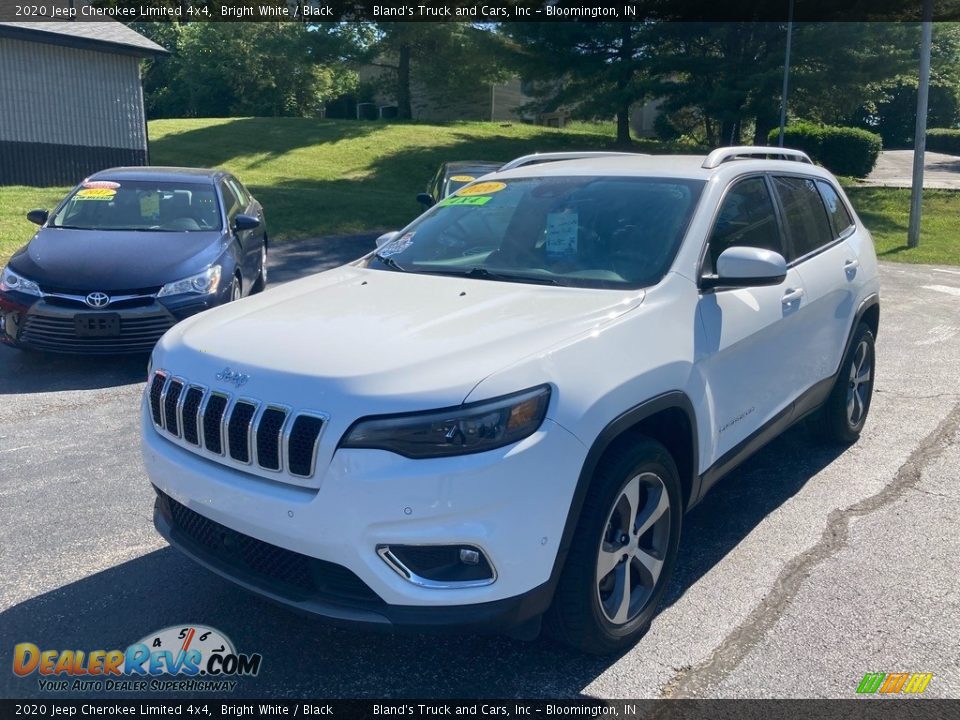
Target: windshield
{"x":614,"y":232}
{"x":140,"y":205}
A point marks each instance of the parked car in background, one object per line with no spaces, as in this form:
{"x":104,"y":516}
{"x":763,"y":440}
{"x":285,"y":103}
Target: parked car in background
{"x":129,"y":253}
{"x":504,"y":411}
{"x":452,"y":176}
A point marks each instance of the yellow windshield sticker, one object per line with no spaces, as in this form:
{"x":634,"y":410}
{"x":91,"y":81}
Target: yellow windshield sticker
{"x":484,"y":188}
{"x":454,"y":200}
{"x":462,"y":178}
{"x":105,"y":194}
{"x":150,"y":204}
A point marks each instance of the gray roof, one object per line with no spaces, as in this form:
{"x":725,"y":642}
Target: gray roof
{"x":107,"y":36}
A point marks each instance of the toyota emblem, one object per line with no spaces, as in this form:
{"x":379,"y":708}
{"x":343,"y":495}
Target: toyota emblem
{"x":98,"y":300}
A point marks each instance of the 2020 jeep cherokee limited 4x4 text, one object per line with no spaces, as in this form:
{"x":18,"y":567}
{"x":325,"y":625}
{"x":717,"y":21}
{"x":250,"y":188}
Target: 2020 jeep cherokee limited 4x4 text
{"x":503,"y":413}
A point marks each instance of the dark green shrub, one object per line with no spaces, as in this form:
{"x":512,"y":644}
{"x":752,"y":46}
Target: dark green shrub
{"x":801,"y":136}
{"x":842,"y":150}
{"x":944,"y":140}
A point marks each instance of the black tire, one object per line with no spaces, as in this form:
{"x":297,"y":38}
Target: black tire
{"x":580,"y":613}
{"x":236,"y":290}
{"x":836,"y":422}
{"x":261,"y":282}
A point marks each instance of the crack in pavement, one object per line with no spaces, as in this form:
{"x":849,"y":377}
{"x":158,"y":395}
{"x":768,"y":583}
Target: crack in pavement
{"x":692,"y":682}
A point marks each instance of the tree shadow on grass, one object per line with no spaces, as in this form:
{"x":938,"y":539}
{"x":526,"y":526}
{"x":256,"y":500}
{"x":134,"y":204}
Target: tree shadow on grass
{"x":218,"y":144}
{"x":378,"y":195}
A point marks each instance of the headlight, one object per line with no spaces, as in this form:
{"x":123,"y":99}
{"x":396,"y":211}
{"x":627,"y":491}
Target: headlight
{"x":12,"y":281}
{"x":202,"y":283}
{"x":460,"y":430}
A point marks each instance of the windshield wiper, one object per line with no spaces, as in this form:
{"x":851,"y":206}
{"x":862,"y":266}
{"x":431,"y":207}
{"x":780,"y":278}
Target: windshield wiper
{"x":484,"y":274}
{"x":389,"y":262}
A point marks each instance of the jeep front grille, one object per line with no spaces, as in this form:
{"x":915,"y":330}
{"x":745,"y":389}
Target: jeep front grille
{"x":238,"y":430}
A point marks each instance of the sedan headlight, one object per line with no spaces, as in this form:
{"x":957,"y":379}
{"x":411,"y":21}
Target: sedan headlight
{"x":460,"y":430}
{"x":202,"y":283}
{"x":12,"y":281}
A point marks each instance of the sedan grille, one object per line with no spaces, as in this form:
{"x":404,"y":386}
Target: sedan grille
{"x":236,"y":430}
{"x":58,"y":334}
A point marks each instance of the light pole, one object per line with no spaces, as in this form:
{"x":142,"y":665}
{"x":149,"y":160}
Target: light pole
{"x":920,"y":131}
{"x":786,"y":76}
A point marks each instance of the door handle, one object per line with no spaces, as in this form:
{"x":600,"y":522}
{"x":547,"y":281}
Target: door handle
{"x":792,"y":295}
{"x":850,"y":266}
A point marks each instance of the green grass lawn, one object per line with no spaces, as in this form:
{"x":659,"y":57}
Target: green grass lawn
{"x":886,"y":213}
{"x":323,"y":177}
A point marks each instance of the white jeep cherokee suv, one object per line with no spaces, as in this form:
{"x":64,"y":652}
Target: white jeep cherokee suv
{"x":503,"y":413}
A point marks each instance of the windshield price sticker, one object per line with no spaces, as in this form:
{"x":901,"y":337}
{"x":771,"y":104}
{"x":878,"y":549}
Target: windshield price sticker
{"x":105,"y":194}
{"x":484,"y":188}
{"x":475,"y":200}
{"x":462,"y":178}
{"x":107,"y":184}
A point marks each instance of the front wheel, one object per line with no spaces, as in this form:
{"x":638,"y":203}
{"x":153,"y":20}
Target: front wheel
{"x":623,"y":551}
{"x":236,"y":292}
{"x":845,"y":412}
{"x":261,"y":282}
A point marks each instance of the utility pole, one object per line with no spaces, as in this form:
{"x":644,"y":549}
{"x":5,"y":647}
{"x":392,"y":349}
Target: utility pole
{"x":920,"y":132}
{"x":786,"y":76}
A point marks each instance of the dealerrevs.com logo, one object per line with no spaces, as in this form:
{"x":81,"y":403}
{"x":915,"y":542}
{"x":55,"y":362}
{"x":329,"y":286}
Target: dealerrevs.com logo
{"x":181,"y":658}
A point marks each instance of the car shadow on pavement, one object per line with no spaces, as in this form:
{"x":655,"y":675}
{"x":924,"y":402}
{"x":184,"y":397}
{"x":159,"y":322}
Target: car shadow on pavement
{"x":294,"y":259}
{"x":23,"y":372}
{"x":306,"y":657}
{"x":740,"y":501}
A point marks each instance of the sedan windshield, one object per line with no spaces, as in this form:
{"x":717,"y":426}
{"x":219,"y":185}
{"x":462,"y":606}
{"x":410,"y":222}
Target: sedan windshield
{"x":140,"y":205}
{"x":608,"y":232}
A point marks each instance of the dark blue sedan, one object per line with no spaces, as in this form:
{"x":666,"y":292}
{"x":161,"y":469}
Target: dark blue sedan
{"x":127,"y":254}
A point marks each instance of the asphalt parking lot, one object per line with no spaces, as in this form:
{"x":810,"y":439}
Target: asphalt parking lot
{"x":803,"y":570}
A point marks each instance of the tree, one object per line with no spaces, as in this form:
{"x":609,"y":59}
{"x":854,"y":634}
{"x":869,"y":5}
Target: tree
{"x":448,"y":57}
{"x":593,"y":69}
{"x":263,"y":69}
{"x":892,"y":108}
{"x":728,"y":75}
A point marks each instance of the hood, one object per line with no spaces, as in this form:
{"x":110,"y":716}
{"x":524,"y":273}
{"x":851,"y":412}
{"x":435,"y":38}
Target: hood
{"x":110,"y":260}
{"x":402,"y":340}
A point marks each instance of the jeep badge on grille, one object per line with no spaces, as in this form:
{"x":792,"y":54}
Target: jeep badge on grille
{"x":235,"y":377}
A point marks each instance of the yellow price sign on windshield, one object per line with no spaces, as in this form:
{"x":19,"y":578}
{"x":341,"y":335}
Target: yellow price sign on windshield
{"x":484,"y":188}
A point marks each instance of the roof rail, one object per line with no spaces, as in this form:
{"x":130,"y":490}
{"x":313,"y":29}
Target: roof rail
{"x":747,"y":152}
{"x":538,"y":158}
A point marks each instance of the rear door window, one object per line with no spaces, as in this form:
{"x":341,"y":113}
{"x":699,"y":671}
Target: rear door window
{"x":804,"y":214}
{"x":840,"y":220}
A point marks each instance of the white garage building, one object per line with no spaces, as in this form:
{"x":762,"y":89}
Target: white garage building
{"x":71,"y":102}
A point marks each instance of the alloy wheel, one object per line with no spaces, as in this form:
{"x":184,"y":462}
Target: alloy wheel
{"x":633,"y":548}
{"x":861,"y":379}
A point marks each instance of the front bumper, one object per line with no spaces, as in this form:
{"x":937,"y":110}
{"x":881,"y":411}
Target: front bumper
{"x":316,"y":548}
{"x":48,"y":325}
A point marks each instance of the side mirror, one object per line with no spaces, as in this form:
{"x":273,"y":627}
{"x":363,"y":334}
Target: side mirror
{"x":425,"y":199}
{"x":38,"y":217}
{"x":245,"y":222}
{"x":748,"y":267}
{"x":386,"y":237}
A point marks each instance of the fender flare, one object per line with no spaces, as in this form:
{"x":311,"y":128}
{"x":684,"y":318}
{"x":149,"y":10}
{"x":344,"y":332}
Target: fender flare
{"x":674,"y":399}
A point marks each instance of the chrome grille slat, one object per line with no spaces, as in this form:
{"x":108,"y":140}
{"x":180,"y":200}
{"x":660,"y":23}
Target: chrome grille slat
{"x":213,"y":415}
{"x":171,"y":401}
{"x":239,"y":431}
{"x":269,"y":435}
{"x":239,"y":428}
{"x":190,"y":414}
{"x":156,"y":391}
{"x":302,"y":444}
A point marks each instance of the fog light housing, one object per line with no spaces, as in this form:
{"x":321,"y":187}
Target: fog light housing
{"x":439,"y":566}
